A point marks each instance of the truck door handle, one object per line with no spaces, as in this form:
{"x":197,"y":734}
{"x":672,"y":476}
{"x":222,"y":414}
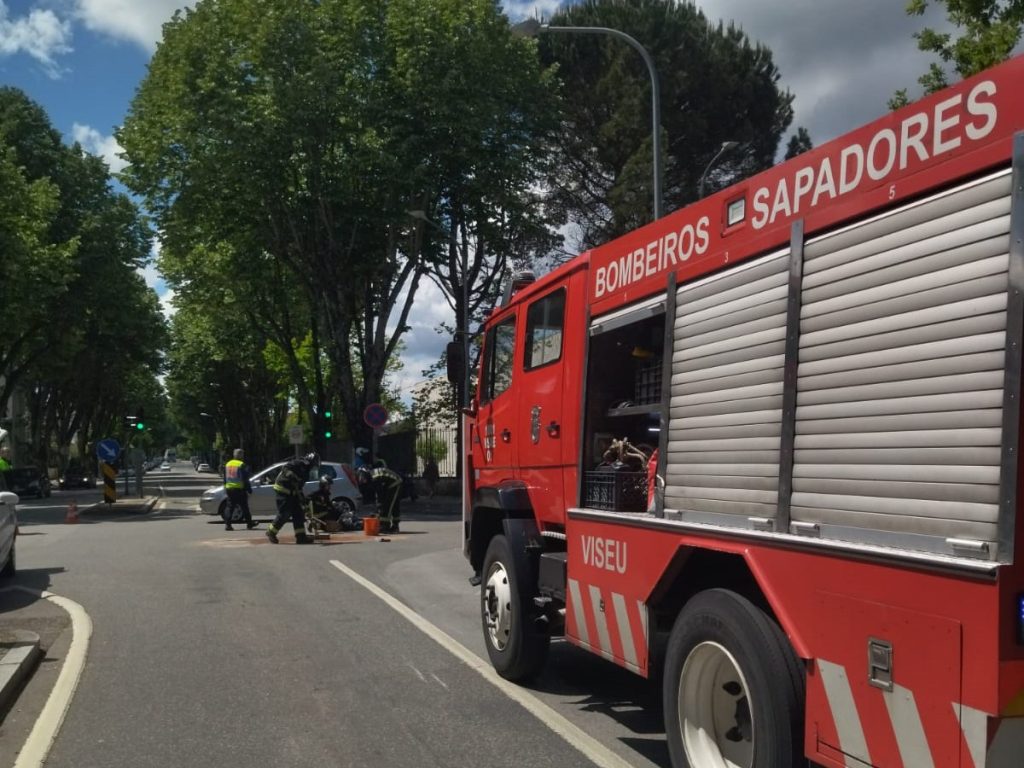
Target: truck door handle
{"x":506,"y":435}
{"x":553,"y":429}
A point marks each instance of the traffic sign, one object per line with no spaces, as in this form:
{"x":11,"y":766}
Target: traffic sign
{"x":108,"y":450}
{"x":296,"y":435}
{"x":375,"y":415}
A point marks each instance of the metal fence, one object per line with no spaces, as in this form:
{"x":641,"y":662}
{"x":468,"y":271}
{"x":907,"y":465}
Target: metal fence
{"x":409,"y":451}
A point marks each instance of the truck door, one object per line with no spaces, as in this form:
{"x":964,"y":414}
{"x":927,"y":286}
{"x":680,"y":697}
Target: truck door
{"x":540,"y":424}
{"x":494,"y":435}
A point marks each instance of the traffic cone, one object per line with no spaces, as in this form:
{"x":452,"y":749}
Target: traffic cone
{"x":72,"y":515}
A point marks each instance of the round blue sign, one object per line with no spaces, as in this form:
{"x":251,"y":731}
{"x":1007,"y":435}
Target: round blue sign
{"x":108,"y":450}
{"x":375,"y":415}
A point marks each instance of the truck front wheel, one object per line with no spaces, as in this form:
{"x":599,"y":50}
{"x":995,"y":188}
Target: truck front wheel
{"x":516,"y":645}
{"x":733,"y":688}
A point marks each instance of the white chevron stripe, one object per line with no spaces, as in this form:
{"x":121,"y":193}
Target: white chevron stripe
{"x":906,"y":724}
{"x":577,"y":611}
{"x":844,"y":713}
{"x":625,"y":630}
{"x":974,"y":724}
{"x":601,"y":621}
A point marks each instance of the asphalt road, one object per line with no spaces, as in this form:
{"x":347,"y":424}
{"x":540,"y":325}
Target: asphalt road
{"x":216,"y":648}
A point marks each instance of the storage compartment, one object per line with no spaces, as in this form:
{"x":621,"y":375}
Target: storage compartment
{"x":624,"y":403}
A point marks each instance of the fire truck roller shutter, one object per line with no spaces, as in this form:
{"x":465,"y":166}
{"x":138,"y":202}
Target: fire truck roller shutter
{"x":726,"y":407}
{"x":901,"y":373}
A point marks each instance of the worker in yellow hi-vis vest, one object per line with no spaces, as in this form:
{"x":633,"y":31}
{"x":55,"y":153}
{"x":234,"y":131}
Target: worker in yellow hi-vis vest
{"x":238,"y":487}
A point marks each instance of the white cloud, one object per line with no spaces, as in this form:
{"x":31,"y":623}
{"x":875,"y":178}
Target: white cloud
{"x":841,"y":60}
{"x":137,"y":21}
{"x":41,"y":34}
{"x":95,"y":143}
{"x":520,"y":9}
{"x":167,"y":304}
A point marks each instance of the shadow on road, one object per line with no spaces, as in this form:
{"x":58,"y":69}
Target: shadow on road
{"x":37,"y":579}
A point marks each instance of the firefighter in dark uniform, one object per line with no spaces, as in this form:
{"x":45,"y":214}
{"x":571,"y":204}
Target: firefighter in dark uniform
{"x":290,"y":501}
{"x":387,"y":488}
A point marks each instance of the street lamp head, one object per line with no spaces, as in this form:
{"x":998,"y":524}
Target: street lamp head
{"x":207,"y":415}
{"x":727,"y":145}
{"x":421,"y":215}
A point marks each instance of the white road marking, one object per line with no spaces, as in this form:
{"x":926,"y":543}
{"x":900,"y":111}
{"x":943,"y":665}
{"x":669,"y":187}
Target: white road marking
{"x":590,"y":747}
{"x":440,"y":682}
{"x":37,"y":745}
{"x":418,"y":673}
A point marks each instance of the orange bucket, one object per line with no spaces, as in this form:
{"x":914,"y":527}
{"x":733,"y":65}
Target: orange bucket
{"x":371,"y":526}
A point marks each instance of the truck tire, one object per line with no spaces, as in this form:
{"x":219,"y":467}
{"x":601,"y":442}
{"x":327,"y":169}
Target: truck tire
{"x":733,"y":690}
{"x":516,"y":646}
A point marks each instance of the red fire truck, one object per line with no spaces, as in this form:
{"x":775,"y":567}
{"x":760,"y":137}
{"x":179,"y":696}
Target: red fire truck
{"x":769,"y":444}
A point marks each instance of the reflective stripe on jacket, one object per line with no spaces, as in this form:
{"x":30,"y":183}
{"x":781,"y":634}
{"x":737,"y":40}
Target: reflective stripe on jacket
{"x":288,"y":483}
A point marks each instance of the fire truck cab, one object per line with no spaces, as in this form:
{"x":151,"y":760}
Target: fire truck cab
{"x":770,"y":443}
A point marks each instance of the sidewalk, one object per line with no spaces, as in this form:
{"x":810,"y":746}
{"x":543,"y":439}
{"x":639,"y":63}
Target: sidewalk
{"x":29,"y":627}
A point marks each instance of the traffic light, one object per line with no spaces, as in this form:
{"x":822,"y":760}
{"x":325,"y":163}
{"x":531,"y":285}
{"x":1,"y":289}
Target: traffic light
{"x":140,"y":420}
{"x":327,"y":425}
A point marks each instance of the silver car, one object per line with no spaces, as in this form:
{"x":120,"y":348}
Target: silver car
{"x":262,"y":501}
{"x":8,"y":529}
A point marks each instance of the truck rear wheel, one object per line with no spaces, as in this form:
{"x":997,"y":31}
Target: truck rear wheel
{"x":733,"y":688}
{"x":516,"y":646}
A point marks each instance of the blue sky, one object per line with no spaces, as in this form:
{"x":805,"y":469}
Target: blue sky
{"x":82,"y":59}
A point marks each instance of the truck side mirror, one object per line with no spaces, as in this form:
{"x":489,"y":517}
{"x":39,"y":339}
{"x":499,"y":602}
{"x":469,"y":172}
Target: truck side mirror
{"x":456,"y":354}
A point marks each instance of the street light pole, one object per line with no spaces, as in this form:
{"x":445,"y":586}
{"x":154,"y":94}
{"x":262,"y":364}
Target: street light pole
{"x":726,"y":146}
{"x":532,"y":27}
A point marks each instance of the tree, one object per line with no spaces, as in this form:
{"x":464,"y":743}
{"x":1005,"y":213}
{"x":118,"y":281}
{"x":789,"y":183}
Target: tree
{"x":715,"y":86}
{"x":989,"y":30}
{"x":82,"y":332}
{"x":303,"y":133}
{"x":799,"y":143}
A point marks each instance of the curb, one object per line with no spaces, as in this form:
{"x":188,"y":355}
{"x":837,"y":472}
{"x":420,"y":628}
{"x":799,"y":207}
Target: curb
{"x":125,"y":507}
{"x":22,"y":652}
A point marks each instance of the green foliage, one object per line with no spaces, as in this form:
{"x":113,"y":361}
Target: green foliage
{"x":988,"y":31}
{"x":799,"y":143}
{"x":287,"y":140}
{"x":82,"y":332}
{"x":429,"y":446}
{"x":715,"y":86}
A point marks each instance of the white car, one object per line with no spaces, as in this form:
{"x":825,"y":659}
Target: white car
{"x":165,"y":467}
{"x":8,"y":529}
{"x":263,"y":499}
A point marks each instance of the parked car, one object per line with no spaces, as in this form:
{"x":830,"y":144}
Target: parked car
{"x":76,"y":477}
{"x":262,"y":500}
{"x":28,"y":481}
{"x":8,"y":528}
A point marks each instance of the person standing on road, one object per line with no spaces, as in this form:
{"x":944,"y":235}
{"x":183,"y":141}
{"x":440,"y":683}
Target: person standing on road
{"x":290,"y":500}
{"x":431,"y":474}
{"x":387,"y":487}
{"x":238,"y":487}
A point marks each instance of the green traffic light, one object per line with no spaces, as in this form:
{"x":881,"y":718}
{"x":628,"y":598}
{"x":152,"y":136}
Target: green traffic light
{"x":327,"y":434}
{"x":140,"y":426}
{"x":327,"y":414}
